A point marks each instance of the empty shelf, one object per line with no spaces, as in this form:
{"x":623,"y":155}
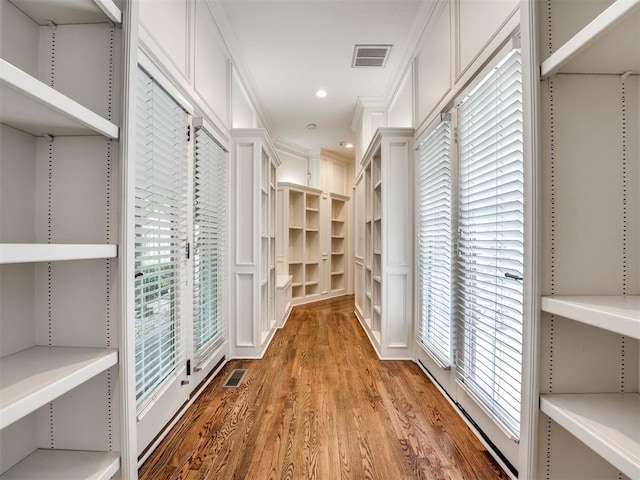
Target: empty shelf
{"x":63,"y":12}
{"x":33,"y":377}
{"x":44,"y":252}
{"x":616,"y":313}
{"x":64,"y":465}
{"x":33,"y":107}
{"x":621,"y":55}
{"x":608,"y":423}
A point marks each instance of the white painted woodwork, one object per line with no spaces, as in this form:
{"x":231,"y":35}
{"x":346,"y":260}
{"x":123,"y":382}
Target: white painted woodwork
{"x":608,"y":423}
{"x":477,"y":24}
{"x":433,"y":63}
{"x":211,"y":65}
{"x":283,"y":285}
{"x":42,"y":252}
{"x":299,"y":240}
{"x":252,"y":194}
{"x":590,"y":230}
{"x":59,"y":354}
{"x":64,"y":465}
{"x":31,"y":106}
{"x":387,"y":316}
{"x":35,"y":376}
{"x":62,"y":12}
{"x":166,"y":27}
{"x":620,"y":314}
{"x":608,"y":44}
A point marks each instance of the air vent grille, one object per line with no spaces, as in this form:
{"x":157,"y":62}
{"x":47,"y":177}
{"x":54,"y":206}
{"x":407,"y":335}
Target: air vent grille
{"x":370,"y":55}
{"x":235,"y":378}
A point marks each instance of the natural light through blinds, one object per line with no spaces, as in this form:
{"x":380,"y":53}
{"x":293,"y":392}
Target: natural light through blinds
{"x":160,"y":234}
{"x":435,"y":244}
{"x":490,"y":246}
{"x":209,"y":206}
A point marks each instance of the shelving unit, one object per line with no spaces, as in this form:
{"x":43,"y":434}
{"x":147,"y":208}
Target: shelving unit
{"x":301,"y":236}
{"x":58,"y":252}
{"x":590,"y":320}
{"x":64,"y":465}
{"x":31,"y":252}
{"x":33,"y":377}
{"x":386,"y":286}
{"x":608,"y":423}
{"x":616,"y":313}
{"x":254,"y":257}
{"x":338,"y":243}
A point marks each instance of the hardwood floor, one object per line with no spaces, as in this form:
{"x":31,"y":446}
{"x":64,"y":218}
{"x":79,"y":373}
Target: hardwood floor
{"x":320,"y":405}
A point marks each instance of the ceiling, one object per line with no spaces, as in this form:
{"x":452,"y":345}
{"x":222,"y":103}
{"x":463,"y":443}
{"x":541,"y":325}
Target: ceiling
{"x":287,"y":50}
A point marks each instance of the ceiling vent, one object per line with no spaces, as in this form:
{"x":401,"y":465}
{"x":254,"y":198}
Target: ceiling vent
{"x":370,"y":55}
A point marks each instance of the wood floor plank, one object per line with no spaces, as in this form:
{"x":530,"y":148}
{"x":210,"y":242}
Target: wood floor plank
{"x":321,"y":405}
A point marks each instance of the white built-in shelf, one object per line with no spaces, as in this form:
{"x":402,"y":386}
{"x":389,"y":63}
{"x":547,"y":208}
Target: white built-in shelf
{"x":264,"y":282}
{"x":310,"y":209}
{"x":65,"y":465}
{"x":377,"y":309}
{"x":33,"y":107}
{"x":609,"y":44}
{"x":312,"y":230}
{"x":295,"y":227}
{"x":616,"y":313}
{"x":66,"y":12}
{"x":309,"y":284}
{"x":297,"y":284}
{"x":608,"y":423}
{"x":33,"y":377}
{"x":283,"y":280}
{"x":335,"y":220}
{"x":377,"y":185}
{"x":44,"y":252}
{"x":337,"y":273}
{"x":337,"y":253}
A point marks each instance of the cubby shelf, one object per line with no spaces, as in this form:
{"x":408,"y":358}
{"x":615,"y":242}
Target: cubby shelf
{"x":596,"y":42}
{"x":33,"y":107}
{"x":608,"y":423}
{"x":64,"y":465}
{"x":43,"y":252}
{"x":616,"y":313}
{"x":66,"y":12}
{"x":33,"y":377}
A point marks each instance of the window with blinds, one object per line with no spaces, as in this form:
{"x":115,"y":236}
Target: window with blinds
{"x":490,"y":248}
{"x":209,"y":205}
{"x":435,"y":245}
{"x":160,"y":234}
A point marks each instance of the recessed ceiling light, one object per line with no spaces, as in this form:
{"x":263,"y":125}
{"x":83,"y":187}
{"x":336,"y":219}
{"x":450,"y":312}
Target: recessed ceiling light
{"x":346,"y":144}
{"x":321,"y":93}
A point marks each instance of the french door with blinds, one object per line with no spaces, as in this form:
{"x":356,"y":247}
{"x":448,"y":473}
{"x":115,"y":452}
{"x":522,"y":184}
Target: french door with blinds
{"x":471,"y":251}
{"x":180,"y":232}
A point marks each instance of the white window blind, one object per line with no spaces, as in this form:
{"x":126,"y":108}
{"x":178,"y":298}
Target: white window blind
{"x":491,"y":242}
{"x":210,"y":200}
{"x":160,"y":235}
{"x":435,"y":245}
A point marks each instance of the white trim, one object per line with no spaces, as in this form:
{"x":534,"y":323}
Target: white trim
{"x":615,"y":13}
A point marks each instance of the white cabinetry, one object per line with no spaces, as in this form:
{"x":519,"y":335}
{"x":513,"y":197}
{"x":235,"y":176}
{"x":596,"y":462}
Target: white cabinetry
{"x":312,"y":241}
{"x":385,"y":306}
{"x":253,"y":268}
{"x":59,"y":347}
{"x":590,"y":320}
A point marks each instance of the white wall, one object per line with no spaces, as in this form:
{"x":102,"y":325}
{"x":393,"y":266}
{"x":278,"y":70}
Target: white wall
{"x":293,"y":168}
